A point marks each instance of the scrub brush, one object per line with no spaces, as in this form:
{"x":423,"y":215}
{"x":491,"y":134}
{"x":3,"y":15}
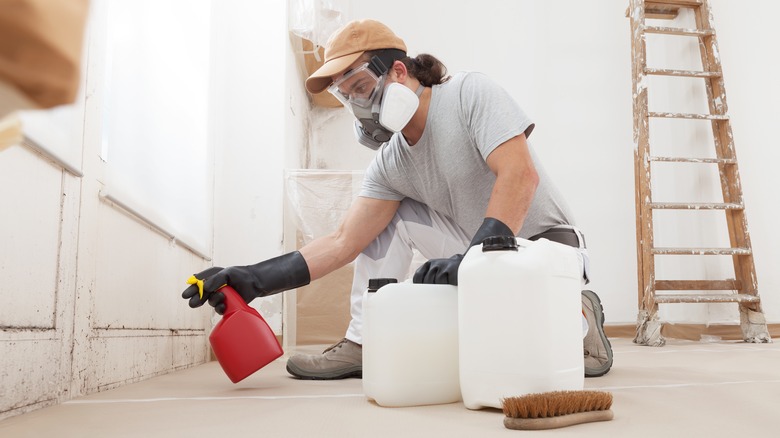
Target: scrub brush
{"x":551,"y":410}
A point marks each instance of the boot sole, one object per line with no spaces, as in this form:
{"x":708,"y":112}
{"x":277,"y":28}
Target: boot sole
{"x":598,"y":312}
{"x":355,"y":371}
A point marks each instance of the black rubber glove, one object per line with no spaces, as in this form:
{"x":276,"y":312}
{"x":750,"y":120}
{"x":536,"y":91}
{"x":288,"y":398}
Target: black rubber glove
{"x":445,"y":271}
{"x":265,"y":278}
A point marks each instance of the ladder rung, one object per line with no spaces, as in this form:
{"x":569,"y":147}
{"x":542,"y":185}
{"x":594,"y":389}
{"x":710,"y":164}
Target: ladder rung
{"x":683,"y":73}
{"x":665,"y":9}
{"x":730,"y":284}
{"x":679,"y":31}
{"x":660,"y":13}
{"x":695,"y":160}
{"x":689,"y":116}
{"x":696,"y":206}
{"x":682,"y":3}
{"x":706,"y":298}
{"x":701,"y":251}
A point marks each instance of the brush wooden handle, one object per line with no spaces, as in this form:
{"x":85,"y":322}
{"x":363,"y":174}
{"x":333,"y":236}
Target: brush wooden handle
{"x":556,"y":422}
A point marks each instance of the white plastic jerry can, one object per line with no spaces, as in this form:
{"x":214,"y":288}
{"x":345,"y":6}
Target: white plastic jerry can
{"x":410,"y":343}
{"x":520,"y":320}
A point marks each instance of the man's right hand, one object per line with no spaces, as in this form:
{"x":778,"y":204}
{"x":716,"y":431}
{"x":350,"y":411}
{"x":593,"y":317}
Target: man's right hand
{"x":198,"y":294}
{"x":265,"y":278}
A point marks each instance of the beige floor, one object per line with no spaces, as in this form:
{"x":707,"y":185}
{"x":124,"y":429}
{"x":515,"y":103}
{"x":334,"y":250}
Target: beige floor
{"x":685,"y":389}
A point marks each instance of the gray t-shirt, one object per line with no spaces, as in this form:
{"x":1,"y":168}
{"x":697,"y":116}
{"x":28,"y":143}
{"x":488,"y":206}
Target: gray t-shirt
{"x":469,"y":116}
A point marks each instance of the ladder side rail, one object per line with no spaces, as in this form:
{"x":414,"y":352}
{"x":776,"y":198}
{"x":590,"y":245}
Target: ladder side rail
{"x":752,"y":320}
{"x":744,"y":268}
{"x":643,"y":196}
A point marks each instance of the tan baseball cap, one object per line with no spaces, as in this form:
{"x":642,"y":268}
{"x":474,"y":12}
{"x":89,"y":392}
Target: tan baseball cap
{"x":346,"y":45}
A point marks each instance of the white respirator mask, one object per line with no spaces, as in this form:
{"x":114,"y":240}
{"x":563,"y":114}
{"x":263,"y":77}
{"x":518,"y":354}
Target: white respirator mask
{"x":380,"y":111}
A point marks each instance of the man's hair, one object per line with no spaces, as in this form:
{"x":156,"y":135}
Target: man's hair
{"x":424,"y":67}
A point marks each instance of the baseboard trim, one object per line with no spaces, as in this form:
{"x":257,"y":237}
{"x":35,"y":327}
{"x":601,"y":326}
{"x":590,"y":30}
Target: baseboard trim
{"x":693,"y":332}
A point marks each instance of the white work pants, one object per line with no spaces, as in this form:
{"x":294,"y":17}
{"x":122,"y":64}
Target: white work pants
{"x":390,"y":254}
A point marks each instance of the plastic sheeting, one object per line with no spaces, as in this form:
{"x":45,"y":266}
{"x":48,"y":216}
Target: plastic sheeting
{"x":315,"y":20}
{"x":317,"y":200}
{"x":311,"y":23}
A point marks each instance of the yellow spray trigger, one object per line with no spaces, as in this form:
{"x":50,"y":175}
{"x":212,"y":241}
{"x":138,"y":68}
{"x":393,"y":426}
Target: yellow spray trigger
{"x":194,"y":280}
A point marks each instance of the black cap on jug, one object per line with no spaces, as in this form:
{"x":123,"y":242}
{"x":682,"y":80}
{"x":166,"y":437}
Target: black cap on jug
{"x":375,"y":283}
{"x":499,"y":243}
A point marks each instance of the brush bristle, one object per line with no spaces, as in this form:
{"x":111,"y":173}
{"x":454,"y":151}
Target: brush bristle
{"x":557,"y":403}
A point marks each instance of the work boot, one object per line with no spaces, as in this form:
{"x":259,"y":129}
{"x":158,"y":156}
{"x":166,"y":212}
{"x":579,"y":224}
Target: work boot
{"x":597,"y":349}
{"x":341,"y":360}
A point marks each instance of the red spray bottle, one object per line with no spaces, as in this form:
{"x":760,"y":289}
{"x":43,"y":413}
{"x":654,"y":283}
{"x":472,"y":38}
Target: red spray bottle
{"x":242,"y":340}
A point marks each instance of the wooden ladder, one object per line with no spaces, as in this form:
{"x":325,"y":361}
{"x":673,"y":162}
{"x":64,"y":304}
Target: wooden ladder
{"x":743,"y":289}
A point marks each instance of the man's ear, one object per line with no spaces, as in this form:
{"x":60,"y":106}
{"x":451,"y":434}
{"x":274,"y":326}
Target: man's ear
{"x":398,"y":69}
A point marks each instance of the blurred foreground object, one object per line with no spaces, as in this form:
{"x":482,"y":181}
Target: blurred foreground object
{"x":40,"y":52}
{"x":10,"y":130}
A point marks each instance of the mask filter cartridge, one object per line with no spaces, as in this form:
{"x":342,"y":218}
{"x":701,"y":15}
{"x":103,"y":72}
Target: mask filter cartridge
{"x":398,"y":106}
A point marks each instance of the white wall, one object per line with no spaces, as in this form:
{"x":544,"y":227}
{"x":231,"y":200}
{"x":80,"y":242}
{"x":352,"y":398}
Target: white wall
{"x":92,"y":290}
{"x":95,"y":288}
{"x":568,"y":65}
{"x":249,"y":74}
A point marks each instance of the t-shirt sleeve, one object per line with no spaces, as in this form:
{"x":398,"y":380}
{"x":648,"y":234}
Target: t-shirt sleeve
{"x":491,"y":115}
{"x":375,"y":182}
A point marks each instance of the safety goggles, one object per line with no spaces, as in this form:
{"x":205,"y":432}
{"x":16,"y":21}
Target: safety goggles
{"x":358,"y":87}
